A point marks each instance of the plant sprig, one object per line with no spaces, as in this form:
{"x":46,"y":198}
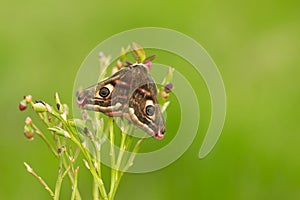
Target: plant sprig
{"x":87,"y":135}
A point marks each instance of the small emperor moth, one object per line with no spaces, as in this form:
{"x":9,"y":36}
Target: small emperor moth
{"x":131,"y":93}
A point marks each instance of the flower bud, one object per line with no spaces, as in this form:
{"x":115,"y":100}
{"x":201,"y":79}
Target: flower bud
{"x":39,"y":107}
{"x":22,"y":105}
{"x":148,"y":64}
{"x":28,"y":135}
{"x":28,"y":132}
{"x":168,"y":88}
{"x":119,"y":64}
{"x":86,"y":130}
{"x":28,"y":120}
{"x":59,"y":106}
{"x":28,"y":98}
{"x":164,"y":94}
{"x":48,"y":108}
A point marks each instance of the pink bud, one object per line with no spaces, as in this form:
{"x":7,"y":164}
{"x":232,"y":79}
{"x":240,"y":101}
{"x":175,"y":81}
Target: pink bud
{"x":119,"y":64}
{"x":28,"y":120}
{"x":28,"y":135}
{"x":148,"y":64}
{"x":49,"y":108}
{"x":28,"y":98}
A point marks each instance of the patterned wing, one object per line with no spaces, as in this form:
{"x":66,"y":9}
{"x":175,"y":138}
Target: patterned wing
{"x":108,"y":96}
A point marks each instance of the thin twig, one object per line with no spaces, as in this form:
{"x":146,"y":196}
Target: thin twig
{"x":74,"y":189}
{"x":112,"y":158}
{"x":31,"y":171}
{"x":59,"y":179}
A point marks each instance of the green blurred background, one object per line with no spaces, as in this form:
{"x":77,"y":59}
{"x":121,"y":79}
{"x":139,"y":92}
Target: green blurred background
{"x":256,"y":46}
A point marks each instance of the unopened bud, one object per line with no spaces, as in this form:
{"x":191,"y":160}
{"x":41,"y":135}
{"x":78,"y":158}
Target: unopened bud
{"x":119,"y":64}
{"x":28,"y":120}
{"x":60,"y":108}
{"x":164,"y":94}
{"x":28,"y":135}
{"x":28,"y":98}
{"x":22,"y":105}
{"x":168,"y":87}
{"x":39,"y":107}
{"x":148,"y":64}
{"x":28,"y":132}
{"x":48,"y":108}
{"x":86,"y":130}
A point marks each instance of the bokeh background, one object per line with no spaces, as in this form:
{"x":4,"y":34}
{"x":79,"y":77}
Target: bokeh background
{"x":256,"y":46}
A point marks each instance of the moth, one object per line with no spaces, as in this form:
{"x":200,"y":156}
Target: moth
{"x":130,"y":93}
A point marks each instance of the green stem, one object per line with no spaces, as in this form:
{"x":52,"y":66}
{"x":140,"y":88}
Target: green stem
{"x":74,"y":192}
{"x":133,"y":154}
{"x":92,"y":167}
{"x":39,"y":133}
{"x":121,"y":151}
{"x":95,"y":190}
{"x":31,"y":171}
{"x":59,"y":180}
{"x":116,"y":185}
{"x":85,"y":152}
{"x":71,"y":177}
{"x":112,"y":158}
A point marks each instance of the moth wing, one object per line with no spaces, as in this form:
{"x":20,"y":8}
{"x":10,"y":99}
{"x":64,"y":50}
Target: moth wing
{"x":103,"y":96}
{"x":143,"y":93}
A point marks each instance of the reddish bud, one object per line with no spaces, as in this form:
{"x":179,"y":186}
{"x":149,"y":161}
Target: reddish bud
{"x":86,"y":130}
{"x":148,"y":64}
{"x":22,"y":105}
{"x":168,"y":87}
{"x":28,"y":135}
{"x":28,"y":132}
{"x":59,"y":150}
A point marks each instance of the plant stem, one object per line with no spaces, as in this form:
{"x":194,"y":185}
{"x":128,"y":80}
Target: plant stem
{"x":112,"y":158}
{"x":95,"y":190}
{"x":134,"y":152}
{"x":31,"y":171}
{"x":74,"y":192}
{"x":39,"y":133}
{"x":71,"y":175}
{"x":59,"y":180}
